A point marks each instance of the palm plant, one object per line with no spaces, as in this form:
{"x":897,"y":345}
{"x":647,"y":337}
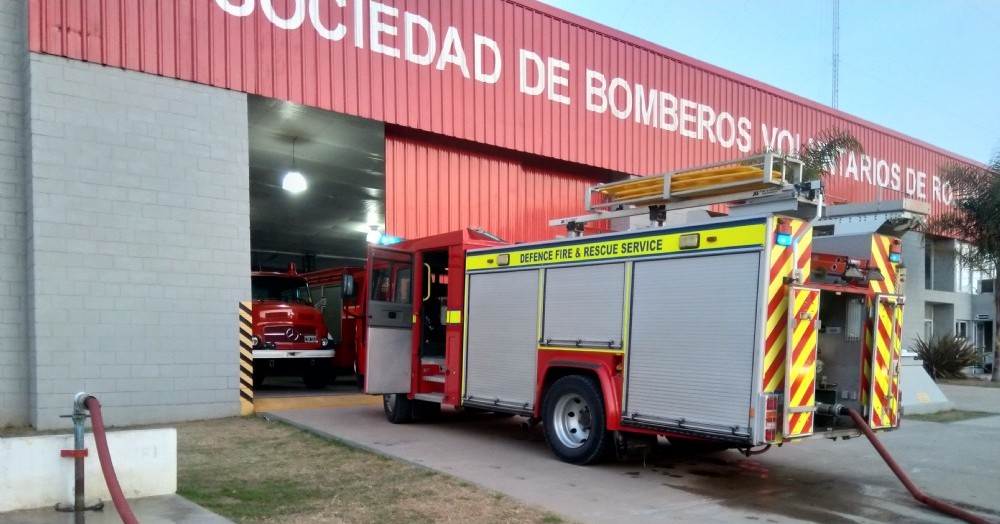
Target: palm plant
{"x":824,"y":151}
{"x":945,"y":357}
{"x":976,"y":220}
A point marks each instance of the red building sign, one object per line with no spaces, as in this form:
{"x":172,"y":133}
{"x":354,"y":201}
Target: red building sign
{"x":515,"y":74}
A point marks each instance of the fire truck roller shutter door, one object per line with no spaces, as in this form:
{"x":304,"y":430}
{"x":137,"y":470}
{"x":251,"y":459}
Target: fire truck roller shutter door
{"x":502,"y":339}
{"x":692,"y":342}
{"x":583,"y":306}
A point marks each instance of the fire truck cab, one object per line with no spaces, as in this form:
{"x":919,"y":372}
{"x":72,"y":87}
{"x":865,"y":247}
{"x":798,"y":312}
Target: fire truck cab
{"x":414,"y":331}
{"x":705,"y":331}
{"x":289,"y":335}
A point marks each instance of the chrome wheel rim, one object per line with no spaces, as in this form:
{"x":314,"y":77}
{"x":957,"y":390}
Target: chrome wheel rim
{"x":390,"y":401}
{"x":571,"y":421}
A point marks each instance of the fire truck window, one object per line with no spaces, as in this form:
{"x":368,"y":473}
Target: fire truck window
{"x":302,"y":293}
{"x":392,"y":284}
{"x":403,"y":278}
{"x":279,"y":288}
{"x":382,"y":290}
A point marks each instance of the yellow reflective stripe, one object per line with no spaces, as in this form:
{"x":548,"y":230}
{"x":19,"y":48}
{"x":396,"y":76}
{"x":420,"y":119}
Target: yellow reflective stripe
{"x":622,"y":248}
{"x":580,"y":350}
{"x":541,"y":304}
{"x":465,"y":336}
{"x":453,"y":316}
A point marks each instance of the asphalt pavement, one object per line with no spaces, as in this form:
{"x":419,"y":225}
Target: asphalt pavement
{"x":812,"y":481}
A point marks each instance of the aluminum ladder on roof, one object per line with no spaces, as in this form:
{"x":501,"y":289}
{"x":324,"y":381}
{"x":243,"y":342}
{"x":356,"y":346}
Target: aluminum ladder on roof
{"x":759,"y":179}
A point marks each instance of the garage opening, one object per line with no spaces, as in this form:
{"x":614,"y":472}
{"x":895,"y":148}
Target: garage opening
{"x":296,"y":231}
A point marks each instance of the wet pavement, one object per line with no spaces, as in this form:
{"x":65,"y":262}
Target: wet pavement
{"x":812,"y":481}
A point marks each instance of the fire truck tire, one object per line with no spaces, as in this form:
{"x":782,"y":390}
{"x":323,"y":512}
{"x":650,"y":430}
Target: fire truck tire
{"x":398,"y":408}
{"x":574,"y":421}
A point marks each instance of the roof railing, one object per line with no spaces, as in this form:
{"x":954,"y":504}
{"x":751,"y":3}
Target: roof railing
{"x":762,"y":178}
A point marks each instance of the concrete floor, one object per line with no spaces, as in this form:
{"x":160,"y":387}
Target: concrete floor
{"x":149,"y":510}
{"x":813,"y":481}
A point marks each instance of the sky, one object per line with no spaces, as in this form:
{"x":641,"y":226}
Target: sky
{"x":928,"y":69}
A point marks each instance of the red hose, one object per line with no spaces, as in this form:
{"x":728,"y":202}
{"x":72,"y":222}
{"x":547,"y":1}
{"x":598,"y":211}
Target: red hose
{"x":101,"y":440}
{"x":916,"y":493}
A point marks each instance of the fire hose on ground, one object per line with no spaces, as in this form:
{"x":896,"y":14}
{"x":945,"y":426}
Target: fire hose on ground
{"x":82,"y":403}
{"x":943,"y":507}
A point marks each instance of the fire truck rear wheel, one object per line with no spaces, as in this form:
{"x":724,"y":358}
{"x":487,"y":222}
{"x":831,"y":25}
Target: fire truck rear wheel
{"x":398,"y":408}
{"x":574,"y":419}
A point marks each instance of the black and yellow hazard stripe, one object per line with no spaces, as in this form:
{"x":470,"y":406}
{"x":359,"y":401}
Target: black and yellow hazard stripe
{"x":246,"y":358}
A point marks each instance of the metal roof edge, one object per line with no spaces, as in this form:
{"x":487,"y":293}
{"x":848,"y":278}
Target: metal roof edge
{"x":900,"y":205}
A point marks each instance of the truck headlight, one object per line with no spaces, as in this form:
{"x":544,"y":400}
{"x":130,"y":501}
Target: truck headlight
{"x":255,"y":341}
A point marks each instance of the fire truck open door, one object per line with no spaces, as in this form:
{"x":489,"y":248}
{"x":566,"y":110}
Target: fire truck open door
{"x":390,"y":325}
{"x":800,"y":362}
{"x":883,"y":389}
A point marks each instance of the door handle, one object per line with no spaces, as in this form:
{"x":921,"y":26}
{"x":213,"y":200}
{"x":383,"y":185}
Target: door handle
{"x":392,"y":314}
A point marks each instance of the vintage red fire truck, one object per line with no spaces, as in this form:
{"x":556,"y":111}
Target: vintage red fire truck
{"x":708,"y":330}
{"x":289,"y":335}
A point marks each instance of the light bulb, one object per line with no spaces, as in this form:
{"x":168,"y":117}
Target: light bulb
{"x":294,"y":182}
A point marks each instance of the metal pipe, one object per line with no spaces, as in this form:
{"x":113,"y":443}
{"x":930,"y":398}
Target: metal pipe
{"x":910,"y":486}
{"x":78,"y":474}
{"x":78,"y":453}
{"x":79,"y":419}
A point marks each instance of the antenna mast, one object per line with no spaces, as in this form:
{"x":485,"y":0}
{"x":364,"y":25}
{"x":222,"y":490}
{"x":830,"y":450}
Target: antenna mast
{"x":836,"y":53}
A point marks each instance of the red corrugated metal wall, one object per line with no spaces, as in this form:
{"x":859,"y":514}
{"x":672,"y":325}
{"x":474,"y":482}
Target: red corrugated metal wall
{"x":432,"y":187}
{"x":712,"y":114}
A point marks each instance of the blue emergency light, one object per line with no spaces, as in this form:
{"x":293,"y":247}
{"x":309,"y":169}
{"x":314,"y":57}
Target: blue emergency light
{"x":784,"y":236}
{"x":387,"y":240}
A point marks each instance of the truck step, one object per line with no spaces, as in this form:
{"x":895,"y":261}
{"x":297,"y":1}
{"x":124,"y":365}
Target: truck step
{"x":432,"y":361}
{"x":430,"y":397}
{"x":434,"y":378}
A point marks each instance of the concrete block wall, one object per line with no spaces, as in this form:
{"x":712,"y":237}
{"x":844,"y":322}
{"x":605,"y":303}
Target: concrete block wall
{"x":139,"y":243}
{"x":13,"y":266}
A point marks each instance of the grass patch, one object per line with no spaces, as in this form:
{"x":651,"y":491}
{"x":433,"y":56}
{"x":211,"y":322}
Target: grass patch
{"x":953,"y":415}
{"x":252,"y":471}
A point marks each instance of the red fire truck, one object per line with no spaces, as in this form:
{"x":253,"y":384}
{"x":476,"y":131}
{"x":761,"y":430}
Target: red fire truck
{"x":862,"y":303}
{"x":339,"y":293}
{"x":289,"y":335}
{"x":706,"y":330}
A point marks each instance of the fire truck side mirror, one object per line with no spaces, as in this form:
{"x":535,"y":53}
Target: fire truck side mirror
{"x":347,"y":289}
